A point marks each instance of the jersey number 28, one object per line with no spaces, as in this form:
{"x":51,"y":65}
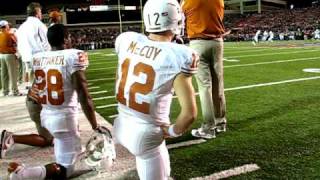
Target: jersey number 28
{"x":53,"y":83}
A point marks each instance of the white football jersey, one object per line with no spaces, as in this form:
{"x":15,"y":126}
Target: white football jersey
{"x":53,"y":70}
{"x":145,"y":75}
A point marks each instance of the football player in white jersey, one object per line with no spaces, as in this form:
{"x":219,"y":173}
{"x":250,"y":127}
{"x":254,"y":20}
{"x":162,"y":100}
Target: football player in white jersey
{"x":256,"y":37}
{"x":265,"y":35}
{"x":60,"y":79}
{"x":271,"y":36}
{"x":150,"y":69}
{"x":316,"y":34}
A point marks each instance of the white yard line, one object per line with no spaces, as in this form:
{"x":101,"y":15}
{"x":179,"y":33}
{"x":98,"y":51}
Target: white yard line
{"x":230,"y":172}
{"x":105,"y":59}
{"x":312,"y":70}
{"x":106,"y":106}
{"x":231,"y":60}
{"x":272,"y":62}
{"x":186,"y":143}
{"x":244,"y":87}
{"x":98,"y":92}
{"x":102,"y":98}
{"x":105,"y":62}
{"x":238,"y":65}
{"x":267,"y":54}
{"x":93,"y":87}
{"x":101,"y":79}
{"x":244,"y":47}
{"x":95,"y":53}
{"x":98,"y":69}
{"x":272,"y":83}
{"x":110,"y":54}
{"x":102,"y":59}
{"x":247,"y":51}
{"x":113,"y":116}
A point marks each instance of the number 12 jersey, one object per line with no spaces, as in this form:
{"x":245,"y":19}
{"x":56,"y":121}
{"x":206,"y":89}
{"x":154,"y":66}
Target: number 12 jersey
{"x":145,"y":75}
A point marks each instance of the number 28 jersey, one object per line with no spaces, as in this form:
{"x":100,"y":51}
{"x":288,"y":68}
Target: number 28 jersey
{"x":53,"y":70}
{"x":145,"y":75}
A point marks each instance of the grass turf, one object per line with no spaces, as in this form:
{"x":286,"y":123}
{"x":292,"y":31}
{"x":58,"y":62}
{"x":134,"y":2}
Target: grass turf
{"x":276,"y":126}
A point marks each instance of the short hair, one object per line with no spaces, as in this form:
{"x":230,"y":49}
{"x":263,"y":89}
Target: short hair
{"x":56,"y":34}
{"x":55,"y":16}
{"x":31,"y":8}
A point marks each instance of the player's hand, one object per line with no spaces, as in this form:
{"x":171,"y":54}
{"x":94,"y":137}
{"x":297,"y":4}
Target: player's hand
{"x":102,"y":130}
{"x":165,"y":132}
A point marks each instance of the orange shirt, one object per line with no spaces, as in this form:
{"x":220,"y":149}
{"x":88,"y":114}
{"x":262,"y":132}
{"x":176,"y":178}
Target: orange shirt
{"x":7,"y":43}
{"x":204,"y":18}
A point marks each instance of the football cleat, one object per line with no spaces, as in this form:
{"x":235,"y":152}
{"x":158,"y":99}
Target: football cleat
{"x":15,"y":171}
{"x":100,"y":150}
{"x":6,"y":143}
{"x":222,"y":127}
{"x":200,"y":133}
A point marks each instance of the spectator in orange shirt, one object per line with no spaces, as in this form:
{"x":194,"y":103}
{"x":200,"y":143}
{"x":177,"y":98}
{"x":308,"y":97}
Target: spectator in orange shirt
{"x":8,"y":60}
{"x":55,"y":17}
{"x":205,"y":29}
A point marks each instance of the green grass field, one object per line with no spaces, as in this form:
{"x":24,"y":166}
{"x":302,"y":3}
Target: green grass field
{"x":272,"y":111}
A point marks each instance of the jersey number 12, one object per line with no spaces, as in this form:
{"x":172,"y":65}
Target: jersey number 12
{"x":142,"y":88}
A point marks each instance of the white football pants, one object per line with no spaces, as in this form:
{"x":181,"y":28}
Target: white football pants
{"x":64,"y":128}
{"x":145,"y":141}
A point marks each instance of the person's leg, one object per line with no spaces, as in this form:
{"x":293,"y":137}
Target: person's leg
{"x":4,"y":75}
{"x":218,"y":96}
{"x":136,"y":137}
{"x":20,"y":171}
{"x":65,"y":129}
{"x":27,"y":74}
{"x":12,"y":70}
{"x":52,"y":171}
{"x":154,"y":164}
{"x":204,"y":82}
{"x":67,"y":147}
{"x":145,"y":141}
{"x":34,"y":109}
{"x":0,"y":72}
{"x":43,"y":139}
{"x":20,"y":71}
{"x":31,"y":140}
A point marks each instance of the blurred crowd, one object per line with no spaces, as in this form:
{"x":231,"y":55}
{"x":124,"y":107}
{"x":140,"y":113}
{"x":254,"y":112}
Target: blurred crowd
{"x":288,"y":24}
{"x":285,"y":24}
{"x":98,"y":37}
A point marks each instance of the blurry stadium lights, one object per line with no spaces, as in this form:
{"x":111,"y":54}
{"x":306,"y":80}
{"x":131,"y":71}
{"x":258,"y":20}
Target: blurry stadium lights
{"x":70,"y":10}
{"x":130,"y":8}
{"x":99,"y":8}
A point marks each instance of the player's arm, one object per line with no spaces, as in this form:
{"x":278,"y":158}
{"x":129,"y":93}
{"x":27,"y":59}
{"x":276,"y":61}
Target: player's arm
{"x":79,"y":82}
{"x":186,"y":96}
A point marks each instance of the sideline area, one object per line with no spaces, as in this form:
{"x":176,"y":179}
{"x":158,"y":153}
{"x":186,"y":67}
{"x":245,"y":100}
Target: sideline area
{"x":15,"y":118}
